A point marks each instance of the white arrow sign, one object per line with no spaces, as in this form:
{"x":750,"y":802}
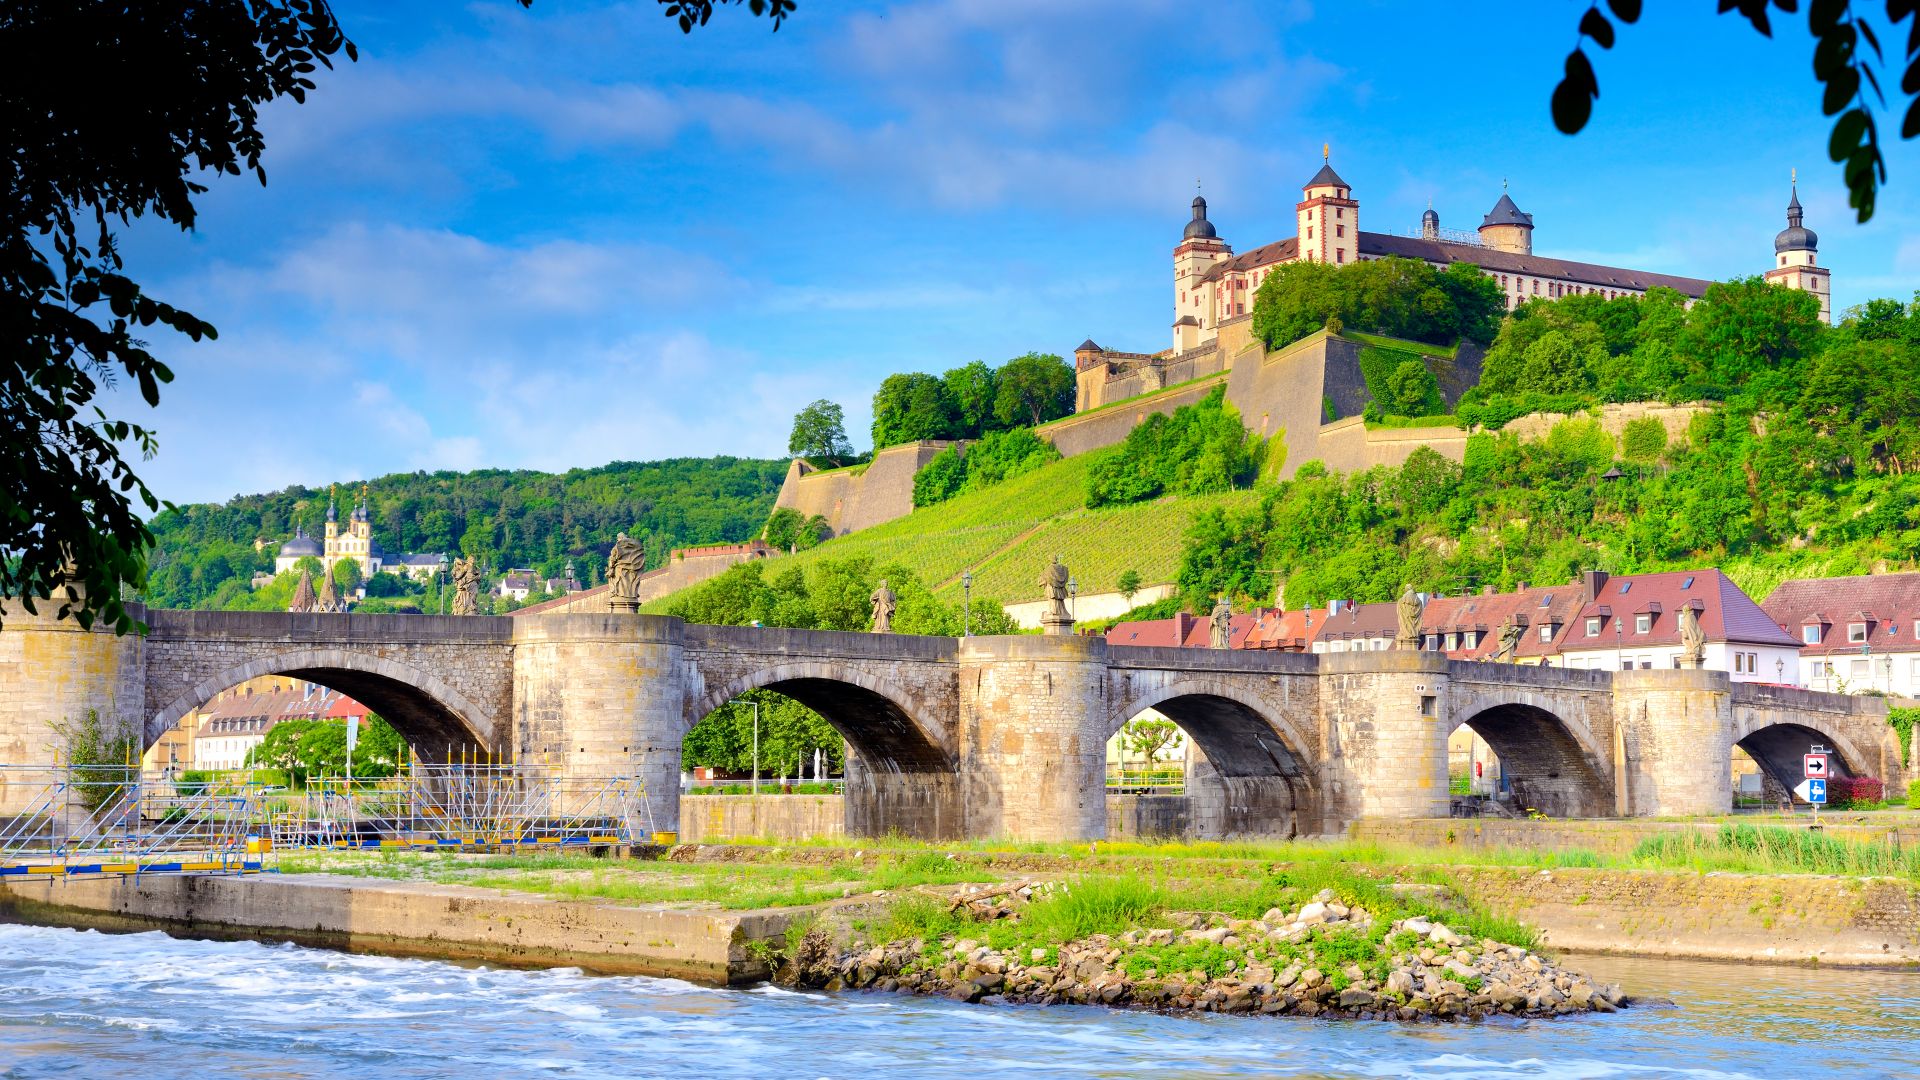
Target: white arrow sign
{"x":1812,"y":791}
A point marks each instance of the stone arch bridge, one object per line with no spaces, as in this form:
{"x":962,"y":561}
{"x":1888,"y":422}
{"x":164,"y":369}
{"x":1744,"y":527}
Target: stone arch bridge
{"x":969,"y":737}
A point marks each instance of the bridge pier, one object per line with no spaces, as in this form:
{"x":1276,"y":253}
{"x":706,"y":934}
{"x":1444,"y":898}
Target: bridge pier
{"x":1383,"y":736}
{"x":600,"y":694}
{"x":52,"y":675}
{"x":1032,"y":756}
{"x":1676,"y":738}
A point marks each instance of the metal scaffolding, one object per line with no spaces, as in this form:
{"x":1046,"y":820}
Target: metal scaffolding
{"x":82,"y":820}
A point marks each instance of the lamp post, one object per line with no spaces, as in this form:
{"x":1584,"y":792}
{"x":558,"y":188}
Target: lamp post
{"x":1779,"y":670}
{"x":1306,"y":636}
{"x":1619,"y":662}
{"x":1073,"y":594}
{"x":966,"y":591}
{"x":756,"y":748}
{"x":446,"y":603}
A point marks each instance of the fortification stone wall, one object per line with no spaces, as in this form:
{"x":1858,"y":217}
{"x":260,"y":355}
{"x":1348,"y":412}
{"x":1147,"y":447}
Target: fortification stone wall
{"x":861,"y":496}
{"x":1108,"y":426}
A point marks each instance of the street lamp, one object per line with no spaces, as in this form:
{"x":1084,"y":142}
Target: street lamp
{"x":1619,"y":662}
{"x":1779,"y":670}
{"x":1073,"y":593}
{"x":966,"y":589}
{"x":445,"y":601}
{"x":756,"y":748}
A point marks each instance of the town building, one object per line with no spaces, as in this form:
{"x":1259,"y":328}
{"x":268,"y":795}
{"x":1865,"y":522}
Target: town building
{"x":1855,"y":634}
{"x":1633,"y":621}
{"x":228,"y":728}
{"x":356,"y":542}
{"x":1469,"y":627}
{"x":520,"y":584}
{"x":1212,"y":285}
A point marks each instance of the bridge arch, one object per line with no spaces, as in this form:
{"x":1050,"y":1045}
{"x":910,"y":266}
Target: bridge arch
{"x":1553,"y":765}
{"x":1777,"y":747}
{"x":1257,"y":777}
{"x":882,"y":722}
{"x":428,"y":713}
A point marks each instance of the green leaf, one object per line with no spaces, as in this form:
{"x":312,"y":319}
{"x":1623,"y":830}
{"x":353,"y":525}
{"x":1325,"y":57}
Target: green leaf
{"x":1627,"y":11}
{"x":1595,"y":25}
{"x":1841,"y":89}
{"x":1910,"y":128}
{"x":1846,"y":134}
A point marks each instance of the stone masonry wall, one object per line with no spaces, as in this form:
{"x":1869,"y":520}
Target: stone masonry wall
{"x":720,"y":819}
{"x":858,"y":497}
{"x":1033,"y":755}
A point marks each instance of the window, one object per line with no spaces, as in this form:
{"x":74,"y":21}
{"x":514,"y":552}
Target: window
{"x":1624,"y":586}
{"x":1340,"y":255}
{"x":1810,"y":633}
{"x":1753,"y":663}
{"x":1739,"y":663}
{"x":1339,"y":230}
{"x":1861,"y":669}
{"x":1856,"y":632}
{"x":1593,"y":627}
{"x":1433,"y":643}
{"x":1642,"y":623}
{"x":1547,"y":600}
{"x":1626,"y":665}
{"x":1546,"y":631}
{"x":1339,"y":211}
{"x":1687,"y":584}
{"x":1309,"y":232}
{"x":1645,"y":664}
{"x":1453,"y":642}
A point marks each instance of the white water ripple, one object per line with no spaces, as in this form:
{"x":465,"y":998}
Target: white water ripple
{"x":84,"y":1004}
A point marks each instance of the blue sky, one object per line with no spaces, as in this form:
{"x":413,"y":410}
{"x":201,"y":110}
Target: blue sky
{"x":565,"y":236}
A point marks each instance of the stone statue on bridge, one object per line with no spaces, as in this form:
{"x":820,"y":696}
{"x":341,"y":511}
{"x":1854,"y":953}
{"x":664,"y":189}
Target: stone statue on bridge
{"x":1220,"y":624}
{"x":1409,"y":607}
{"x":1055,"y":581}
{"x":1510,"y":633}
{"x":1693,"y":640}
{"x":625,"y":563}
{"x":885,"y":603}
{"x":466,"y":585}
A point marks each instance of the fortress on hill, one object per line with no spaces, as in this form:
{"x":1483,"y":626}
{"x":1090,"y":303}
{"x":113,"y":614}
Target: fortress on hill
{"x":1307,"y":396}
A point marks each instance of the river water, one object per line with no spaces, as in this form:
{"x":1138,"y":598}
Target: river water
{"x":83,"y":1004}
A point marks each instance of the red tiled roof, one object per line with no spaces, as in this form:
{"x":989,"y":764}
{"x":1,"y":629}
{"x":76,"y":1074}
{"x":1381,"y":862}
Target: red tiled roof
{"x":1554,"y":605}
{"x":1888,"y":603}
{"x":1183,"y":631}
{"x":1726,"y":613}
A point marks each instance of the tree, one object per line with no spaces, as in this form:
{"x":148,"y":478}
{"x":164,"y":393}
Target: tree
{"x":1403,"y":298}
{"x":1033,"y":389}
{"x":1412,"y":390}
{"x":1148,"y":737}
{"x":1839,"y":62}
{"x":346,"y":576}
{"x":1128,"y":584}
{"x":972,"y":389}
{"x":820,"y":434}
{"x":789,"y":530}
{"x":911,"y":407}
{"x":173,"y":92}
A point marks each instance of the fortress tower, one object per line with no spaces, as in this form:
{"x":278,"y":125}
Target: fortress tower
{"x":1329,"y":218}
{"x":1506,"y":228}
{"x":1793,"y":252}
{"x":1200,"y":248}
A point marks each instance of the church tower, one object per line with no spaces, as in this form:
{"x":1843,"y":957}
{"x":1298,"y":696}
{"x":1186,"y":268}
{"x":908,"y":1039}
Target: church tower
{"x":333,"y":517}
{"x":1200,"y":248}
{"x":1793,"y":258}
{"x":1328,"y":217}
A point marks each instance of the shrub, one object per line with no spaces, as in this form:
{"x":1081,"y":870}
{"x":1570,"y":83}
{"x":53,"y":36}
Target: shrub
{"x":1201,"y":448}
{"x":997,"y":456}
{"x":100,"y":762}
{"x":1913,"y":795}
{"x":192,"y":782}
{"x":1854,"y":792}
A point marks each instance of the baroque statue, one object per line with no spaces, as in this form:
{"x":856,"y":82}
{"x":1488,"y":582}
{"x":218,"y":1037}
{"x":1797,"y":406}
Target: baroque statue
{"x":885,"y":603}
{"x":1053,"y":581}
{"x":1693,"y":640}
{"x":624,"y":565}
{"x":1220,"y":624}
{"x":1510,"y":633}
{"x":466,"y":585}
{"x":1408,"y":607}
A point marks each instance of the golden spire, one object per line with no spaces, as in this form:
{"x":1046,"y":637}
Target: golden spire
{"x":1794,"y":174}
{"x":1326,"y":151}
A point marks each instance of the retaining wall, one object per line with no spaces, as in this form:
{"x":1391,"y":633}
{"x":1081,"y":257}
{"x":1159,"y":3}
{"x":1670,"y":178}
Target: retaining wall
{"x":719,"y":819}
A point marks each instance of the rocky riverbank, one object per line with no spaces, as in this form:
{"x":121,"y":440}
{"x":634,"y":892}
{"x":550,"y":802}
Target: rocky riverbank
{"x":1324,"y":959}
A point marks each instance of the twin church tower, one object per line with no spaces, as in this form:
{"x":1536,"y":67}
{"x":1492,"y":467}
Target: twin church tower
{"x":1212,"y":285}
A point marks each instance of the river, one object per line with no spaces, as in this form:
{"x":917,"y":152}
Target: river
{"x":84,"y":1004}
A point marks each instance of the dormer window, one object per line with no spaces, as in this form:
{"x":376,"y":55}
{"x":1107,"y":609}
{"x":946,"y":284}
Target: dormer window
{"x":1810,"y":633}
{"x":1642,"y":623}
{"x":1593,"y":627}
{"x":1856,"y":632}
{"x":1546,"y":631}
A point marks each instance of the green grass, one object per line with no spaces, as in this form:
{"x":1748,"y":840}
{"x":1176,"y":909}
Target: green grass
{"x":1006,"y":533}
{"x":1762,"y":849}
{"x":1401,"y":344}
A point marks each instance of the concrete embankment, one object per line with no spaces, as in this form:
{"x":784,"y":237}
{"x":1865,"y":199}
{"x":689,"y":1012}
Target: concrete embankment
{"x":405,"y":918}
{"x":1793,"y":918}
{"x":1613,"y":836}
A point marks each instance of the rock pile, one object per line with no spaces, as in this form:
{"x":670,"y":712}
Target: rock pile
{"x":1322,"y":960}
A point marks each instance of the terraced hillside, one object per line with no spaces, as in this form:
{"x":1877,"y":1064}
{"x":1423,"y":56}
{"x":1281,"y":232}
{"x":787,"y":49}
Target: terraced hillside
{"x":1006,"y":533}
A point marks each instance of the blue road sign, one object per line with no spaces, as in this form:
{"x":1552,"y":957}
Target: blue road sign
{"x":1816,"y":791}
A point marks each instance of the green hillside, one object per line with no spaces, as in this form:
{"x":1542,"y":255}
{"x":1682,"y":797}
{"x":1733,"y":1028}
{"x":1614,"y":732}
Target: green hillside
{"x":207,"y":553}
{"x":1006,"y":533}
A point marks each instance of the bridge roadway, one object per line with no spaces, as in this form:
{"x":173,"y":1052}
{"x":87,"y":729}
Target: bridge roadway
{"x":969,"y":737}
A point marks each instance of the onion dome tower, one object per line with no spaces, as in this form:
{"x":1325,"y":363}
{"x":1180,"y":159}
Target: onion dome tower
{"x":1795,"y":257}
